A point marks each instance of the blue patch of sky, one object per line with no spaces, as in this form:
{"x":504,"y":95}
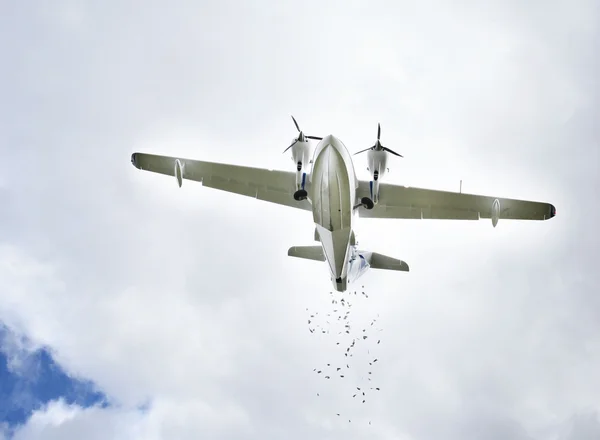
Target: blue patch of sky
{"x":29,"y":379}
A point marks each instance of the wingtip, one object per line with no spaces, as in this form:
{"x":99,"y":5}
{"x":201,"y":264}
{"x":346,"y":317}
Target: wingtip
{"x":134,"y":160}
{"x":552,"y":211}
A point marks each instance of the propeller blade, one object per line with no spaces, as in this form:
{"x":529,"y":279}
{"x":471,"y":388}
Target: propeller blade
{"x":315,"y":137}
{"x":295,"y":123}
{"x":291,"y":145}
{"x":390,"y":151}
{"x":362,"y":151}
{"x":378,"y":131}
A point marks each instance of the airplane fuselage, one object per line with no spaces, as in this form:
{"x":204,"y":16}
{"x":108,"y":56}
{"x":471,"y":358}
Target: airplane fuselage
{"x":332,"y":194}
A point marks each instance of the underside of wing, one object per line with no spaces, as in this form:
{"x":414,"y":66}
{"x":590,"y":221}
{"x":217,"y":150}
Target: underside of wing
{"x":401,"y":202}
{"x":269,"y":185}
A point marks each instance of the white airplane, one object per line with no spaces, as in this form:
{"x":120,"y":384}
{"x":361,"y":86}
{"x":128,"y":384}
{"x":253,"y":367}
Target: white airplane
{"x":336,"y":198}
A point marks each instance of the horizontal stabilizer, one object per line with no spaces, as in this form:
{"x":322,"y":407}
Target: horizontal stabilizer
{"x":307,"y":252}
{"x":379,"y":261}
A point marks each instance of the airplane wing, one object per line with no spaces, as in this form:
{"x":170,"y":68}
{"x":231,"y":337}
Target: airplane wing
{"x":269,"y":185}
{"x":401,"y":202}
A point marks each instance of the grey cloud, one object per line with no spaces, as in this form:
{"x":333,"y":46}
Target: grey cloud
{"x":584,"y":426}
{"x":187,"y":297}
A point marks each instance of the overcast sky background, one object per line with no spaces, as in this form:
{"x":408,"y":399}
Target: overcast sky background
{"x":181,"y":306}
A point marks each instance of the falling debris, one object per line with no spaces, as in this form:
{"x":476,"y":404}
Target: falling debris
{"x":353,"y":336}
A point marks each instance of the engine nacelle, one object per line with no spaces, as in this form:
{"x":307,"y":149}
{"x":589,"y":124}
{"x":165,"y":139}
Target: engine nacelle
{"x":377,"y":160}
{"x":495,"y":212}
{"x":301,"y":154}
{"x":301,"y":158}
{"x":179,"y":172}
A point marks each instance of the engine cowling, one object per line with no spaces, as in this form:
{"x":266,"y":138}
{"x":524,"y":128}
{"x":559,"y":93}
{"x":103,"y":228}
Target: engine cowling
{"x":301,"y":157}
{"x":179,"y":172}
{"x":495,"y":212}
{"x":377,"y":161}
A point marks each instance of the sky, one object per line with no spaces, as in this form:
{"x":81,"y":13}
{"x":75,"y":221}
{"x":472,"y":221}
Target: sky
{"x":155,"y":312}
{"x":29,"y":379}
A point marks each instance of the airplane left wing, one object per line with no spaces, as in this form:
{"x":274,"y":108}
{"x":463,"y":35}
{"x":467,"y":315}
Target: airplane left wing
{"x":401,"y":202}
{"x":270,"y":185}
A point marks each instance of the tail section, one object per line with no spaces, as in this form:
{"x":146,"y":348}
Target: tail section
{"x":361,"y":261}
{"x":358,"y":264}
{"x":373,"y":259}
{"x":379,"y":261}
{"x":307,"y":252}
{"x":352,"y":237}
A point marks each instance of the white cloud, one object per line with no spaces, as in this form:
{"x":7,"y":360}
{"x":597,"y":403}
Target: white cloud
{"x":58,"y":421}
{"x":18,"y":351}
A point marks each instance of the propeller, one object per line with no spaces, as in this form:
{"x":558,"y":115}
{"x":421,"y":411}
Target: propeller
{"x":378,"y":146}
{"x":301,"y":136}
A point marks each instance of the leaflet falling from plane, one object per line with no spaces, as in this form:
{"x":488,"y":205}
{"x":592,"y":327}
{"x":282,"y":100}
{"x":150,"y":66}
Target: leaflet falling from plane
{"x":336,"y":198}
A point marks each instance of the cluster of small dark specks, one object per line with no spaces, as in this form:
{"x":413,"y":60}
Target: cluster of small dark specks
{"x":342,"y":364}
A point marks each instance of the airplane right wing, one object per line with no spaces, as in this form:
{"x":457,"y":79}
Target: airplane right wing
{"x":401,"y":202}
{"x":270,"y":185}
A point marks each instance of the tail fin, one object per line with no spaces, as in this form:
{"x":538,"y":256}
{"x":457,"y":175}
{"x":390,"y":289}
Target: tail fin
{"x":379,"y":261}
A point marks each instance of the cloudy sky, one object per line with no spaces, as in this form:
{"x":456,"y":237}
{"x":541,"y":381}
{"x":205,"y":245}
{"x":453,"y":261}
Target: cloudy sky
{"x":142,"y":310}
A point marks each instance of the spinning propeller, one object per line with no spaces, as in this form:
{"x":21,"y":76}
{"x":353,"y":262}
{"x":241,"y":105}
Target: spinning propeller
{"x":378,"y":146}
{"x":301,"y":136}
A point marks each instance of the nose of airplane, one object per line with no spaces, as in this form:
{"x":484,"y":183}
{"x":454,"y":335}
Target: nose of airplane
{"x":330,"y":140}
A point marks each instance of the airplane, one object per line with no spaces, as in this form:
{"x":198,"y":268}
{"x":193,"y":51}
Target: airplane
{"x":336,"y":198}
